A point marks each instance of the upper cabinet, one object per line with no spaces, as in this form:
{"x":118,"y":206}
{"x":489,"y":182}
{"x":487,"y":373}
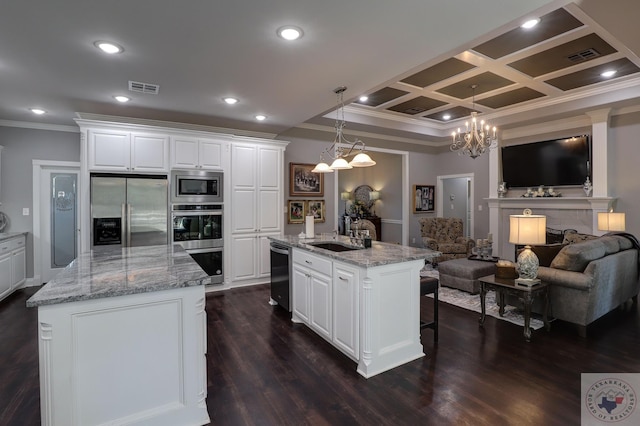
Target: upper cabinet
{"x":120,"y":151}
{"x":197,"y":153}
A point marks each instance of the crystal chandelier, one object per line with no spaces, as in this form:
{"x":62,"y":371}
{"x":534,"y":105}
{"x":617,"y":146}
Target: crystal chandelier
{"x":337,"y":151}
{"x":477,"y":138}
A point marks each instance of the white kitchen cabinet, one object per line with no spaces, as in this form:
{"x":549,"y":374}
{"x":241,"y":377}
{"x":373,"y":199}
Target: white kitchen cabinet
{"x":197,"y":153}
{"x":312,"y":278}
{"x":121,"y":151}
{"x":5,"y":273}
{"x":346,"y":334}
{"x":255,"y":212}
{"x":18,"y":261}
{"x":12,"y":265}
{"x":1,"y":147}
{"x":252,"y":252}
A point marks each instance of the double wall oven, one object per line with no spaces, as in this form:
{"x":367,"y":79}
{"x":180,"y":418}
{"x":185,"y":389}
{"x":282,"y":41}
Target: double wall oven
{"x":196,"y":216}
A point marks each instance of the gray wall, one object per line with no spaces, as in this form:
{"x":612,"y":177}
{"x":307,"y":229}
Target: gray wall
{"x":454,"y":199}
{"x":624,"y":178}
{"x":21,"y":146}
{"x":386,"y":178}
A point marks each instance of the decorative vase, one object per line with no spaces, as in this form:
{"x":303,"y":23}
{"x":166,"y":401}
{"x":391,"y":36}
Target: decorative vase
{"x":587,"y":187}
{"x":502,"y":189}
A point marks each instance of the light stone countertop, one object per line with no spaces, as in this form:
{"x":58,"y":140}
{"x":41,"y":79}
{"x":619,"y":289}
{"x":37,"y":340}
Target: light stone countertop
{"x":379,"y":254}
{"x":8,"y":235}
{"x":110,"y":271}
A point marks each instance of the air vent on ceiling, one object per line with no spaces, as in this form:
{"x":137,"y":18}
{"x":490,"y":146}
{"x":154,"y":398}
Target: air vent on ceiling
{"x":414,"y":110}
{"x":583,"y":55}
{"x":148,"y":88}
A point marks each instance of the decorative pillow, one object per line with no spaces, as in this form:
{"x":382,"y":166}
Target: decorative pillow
{"x":576,"y":257}
{"x":547,"y":252}
{"x":575,"y":237}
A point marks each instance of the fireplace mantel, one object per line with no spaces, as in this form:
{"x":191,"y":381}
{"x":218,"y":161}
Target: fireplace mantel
{"x":573,"y":203}
{"x":580,"y":213}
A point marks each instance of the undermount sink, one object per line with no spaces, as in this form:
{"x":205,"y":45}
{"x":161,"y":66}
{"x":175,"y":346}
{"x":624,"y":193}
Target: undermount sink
{"x":334,"y":246}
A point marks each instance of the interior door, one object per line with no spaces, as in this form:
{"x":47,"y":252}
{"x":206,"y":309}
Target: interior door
{"x":59,"y":240}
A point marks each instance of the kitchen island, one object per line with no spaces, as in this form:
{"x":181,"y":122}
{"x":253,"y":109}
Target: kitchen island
{"x":122,"y":339}
{"x":364,"y":301}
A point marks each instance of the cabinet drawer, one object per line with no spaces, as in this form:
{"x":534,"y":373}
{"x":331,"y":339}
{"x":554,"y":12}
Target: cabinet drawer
{"x":16,"y":243}
{"x":313,"y":262}
{"x":5,"y":247}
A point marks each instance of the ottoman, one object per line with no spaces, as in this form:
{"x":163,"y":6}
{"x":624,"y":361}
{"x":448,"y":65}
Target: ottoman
{"x":463,"y":274}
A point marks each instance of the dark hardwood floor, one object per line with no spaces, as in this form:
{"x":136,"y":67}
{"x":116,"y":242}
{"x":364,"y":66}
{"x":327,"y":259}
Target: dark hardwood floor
{"x":264,"y":370}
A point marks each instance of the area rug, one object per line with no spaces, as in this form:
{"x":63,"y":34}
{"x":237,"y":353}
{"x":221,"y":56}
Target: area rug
{"x":471,"y":302}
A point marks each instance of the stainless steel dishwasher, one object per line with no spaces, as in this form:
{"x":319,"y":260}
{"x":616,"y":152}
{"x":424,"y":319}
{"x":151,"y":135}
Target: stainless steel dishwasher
{"x":280,"y":275}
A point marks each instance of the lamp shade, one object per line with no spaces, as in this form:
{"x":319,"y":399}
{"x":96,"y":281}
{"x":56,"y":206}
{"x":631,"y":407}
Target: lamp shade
{"x":362,"y":160}
{"x":374,"y":195}
{"x":527,"y":228}
{"x":610,"y":221}
{"x":340,"y":164}
{"x":345,"y":195}
{"x":322,"y":168}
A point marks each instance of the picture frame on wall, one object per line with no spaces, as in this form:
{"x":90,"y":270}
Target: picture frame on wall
{"x":303,"y":182}
{"x":424,"y":198}
{"x":317,"y":209}
{"x":295,"y":211}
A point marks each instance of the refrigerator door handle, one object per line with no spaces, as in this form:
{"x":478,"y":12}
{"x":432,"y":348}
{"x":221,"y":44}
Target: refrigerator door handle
{"x":128,"y":225}
{"x":123,"y":231}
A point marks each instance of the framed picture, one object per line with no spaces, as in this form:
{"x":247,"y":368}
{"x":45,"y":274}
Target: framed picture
{"x":303,"y":182}
{"x":423,"y":198}
{"x":295,"y":211}
{"x":316,"y":208}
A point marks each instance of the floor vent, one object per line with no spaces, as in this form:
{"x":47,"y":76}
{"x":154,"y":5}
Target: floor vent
{"x":150,"y":89}
{"x":583,"y":55}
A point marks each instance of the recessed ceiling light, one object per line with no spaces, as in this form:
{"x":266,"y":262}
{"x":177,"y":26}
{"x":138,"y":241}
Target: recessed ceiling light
{"x":446,"y":117}
{"x":290,"y":32}
{"x":230,"y":100}
{"x":37,"y":111}
{"x":530,"y":23}
{"x":122,"y":99}
{"x":261,"y":117}
{"x":108,"y":47}
{"x":608,"y":73}
{"x":364,"y":98}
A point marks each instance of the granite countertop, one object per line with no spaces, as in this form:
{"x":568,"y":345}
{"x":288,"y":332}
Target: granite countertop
{"x":110,"y":271}
{"x":8,"y":235}
{"x":379,"y":254}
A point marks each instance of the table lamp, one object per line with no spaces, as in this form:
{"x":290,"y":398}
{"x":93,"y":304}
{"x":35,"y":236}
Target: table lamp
{"x":374,"y":196}
{"x":527,"y":229}
{"x":345,"y":196}
{"x":610,"y":221}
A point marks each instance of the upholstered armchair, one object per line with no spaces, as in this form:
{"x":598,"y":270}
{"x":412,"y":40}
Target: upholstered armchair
{"x":445,"y":235}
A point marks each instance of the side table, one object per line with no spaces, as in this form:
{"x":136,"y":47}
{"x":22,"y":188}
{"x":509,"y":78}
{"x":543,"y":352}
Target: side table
{"x":526,"y":294}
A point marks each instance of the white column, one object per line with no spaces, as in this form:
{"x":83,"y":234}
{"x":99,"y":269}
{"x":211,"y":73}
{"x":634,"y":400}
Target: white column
{"x":599,"y":148}
{"x":494,"y":207}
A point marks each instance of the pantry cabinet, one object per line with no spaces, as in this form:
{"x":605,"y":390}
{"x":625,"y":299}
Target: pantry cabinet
{"x":256,"y":212}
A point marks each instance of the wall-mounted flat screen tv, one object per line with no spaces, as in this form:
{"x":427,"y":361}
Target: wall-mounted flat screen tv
{"x":558,"y":162}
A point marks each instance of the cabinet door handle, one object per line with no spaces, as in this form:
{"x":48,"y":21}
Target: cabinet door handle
{"x":308,"y":262}
{"x":343,"y":279}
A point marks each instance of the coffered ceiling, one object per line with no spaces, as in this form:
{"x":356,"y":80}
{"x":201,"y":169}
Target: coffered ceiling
{"x":416,"y":60}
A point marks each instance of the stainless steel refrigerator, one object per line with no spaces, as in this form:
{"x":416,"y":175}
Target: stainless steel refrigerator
{"x":129,"y":210}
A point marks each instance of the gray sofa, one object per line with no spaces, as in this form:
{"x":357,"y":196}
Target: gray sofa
{"x":590,"y":278}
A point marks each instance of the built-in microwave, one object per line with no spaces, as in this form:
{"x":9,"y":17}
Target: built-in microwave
{"x":196,"y":186}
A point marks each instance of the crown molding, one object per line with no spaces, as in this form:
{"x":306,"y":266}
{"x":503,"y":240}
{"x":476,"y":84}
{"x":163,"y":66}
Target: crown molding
{"x":39,"y":126}
{"x":327,"y":129}
{"x":171,"y":124}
